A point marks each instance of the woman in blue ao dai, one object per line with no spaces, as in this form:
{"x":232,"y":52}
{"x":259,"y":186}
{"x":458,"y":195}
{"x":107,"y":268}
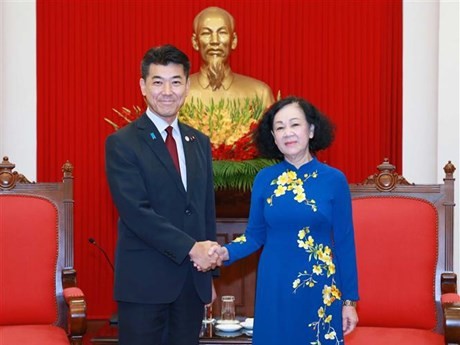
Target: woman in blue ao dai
{"x":301,"y":216}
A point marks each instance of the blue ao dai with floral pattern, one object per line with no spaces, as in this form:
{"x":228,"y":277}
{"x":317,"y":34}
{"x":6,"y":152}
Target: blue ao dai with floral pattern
{"x":302,"y":219}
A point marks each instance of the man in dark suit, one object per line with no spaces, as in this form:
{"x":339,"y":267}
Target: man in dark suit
{"x":167,"y":211}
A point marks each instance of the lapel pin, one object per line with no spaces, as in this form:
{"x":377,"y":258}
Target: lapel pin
{"x":187,"y":138}
{"x":152,"y":135}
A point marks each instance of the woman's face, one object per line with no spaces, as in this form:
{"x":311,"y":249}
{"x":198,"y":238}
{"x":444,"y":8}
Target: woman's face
{"x":292,"y":132}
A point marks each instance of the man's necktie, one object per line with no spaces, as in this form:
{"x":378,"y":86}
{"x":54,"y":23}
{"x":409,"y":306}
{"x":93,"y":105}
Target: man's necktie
{"x":172,"y":148}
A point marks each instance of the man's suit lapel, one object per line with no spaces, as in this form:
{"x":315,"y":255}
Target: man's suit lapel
{"x":190,"y":148}
{"x":152,"y":137}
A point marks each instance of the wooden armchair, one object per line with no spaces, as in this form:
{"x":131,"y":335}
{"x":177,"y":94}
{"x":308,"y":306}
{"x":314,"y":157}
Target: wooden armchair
{"x":404,"y":241}
{"x":39,"y":300}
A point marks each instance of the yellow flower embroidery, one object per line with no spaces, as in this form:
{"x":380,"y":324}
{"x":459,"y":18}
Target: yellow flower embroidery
{"x":240,"y":239}
{"x":281,"y":190}
{"x":330,"y":335}
{"x":288,"y":177}
{"x":330,"y":294}
{"x":308,"y":242}
{"x":321,"y":312}
{"x":322,"y":255}
{"x":297,"y":189}
{"x":296,"y":283}
{"x":330,"y":269}
{"x":289,"y":182}
{"x":303,"y":232}
{"x":300,"y":197}
{"x":317,"y":269}
{"x":302,"y":244}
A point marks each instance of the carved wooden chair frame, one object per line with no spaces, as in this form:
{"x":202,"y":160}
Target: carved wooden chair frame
{"x":70,"y":299}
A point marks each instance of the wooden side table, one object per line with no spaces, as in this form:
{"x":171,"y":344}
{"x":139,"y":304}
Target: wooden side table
{"x":108,"y":335}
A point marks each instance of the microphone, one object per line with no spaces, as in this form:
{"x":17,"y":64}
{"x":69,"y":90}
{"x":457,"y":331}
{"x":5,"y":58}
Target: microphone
{"x":114,"y":318}
{"x":94,"y":243}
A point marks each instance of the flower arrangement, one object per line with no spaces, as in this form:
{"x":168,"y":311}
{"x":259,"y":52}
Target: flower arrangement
{"x":229,"y":125}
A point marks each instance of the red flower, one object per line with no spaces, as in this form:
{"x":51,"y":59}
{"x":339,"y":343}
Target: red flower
{"x":243,"y":149}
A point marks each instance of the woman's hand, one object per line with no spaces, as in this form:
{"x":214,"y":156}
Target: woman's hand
{"x":350,"y":319}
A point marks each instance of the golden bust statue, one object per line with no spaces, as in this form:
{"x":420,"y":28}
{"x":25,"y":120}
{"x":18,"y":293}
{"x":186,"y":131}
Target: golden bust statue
{"x":214,"y":37}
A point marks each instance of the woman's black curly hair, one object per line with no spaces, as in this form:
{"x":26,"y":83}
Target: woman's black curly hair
{"x":323,"y":128}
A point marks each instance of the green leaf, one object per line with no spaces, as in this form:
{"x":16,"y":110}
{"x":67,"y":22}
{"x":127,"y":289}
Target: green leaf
{"x":238,"y":175}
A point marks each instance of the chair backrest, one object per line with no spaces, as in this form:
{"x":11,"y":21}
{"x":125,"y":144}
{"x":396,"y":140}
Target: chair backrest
{"x":404,"y":241}
{"x":36,"y":247}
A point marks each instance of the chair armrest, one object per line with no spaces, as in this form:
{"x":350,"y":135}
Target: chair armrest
{"x":448,"y":283}
{"x":76,"y":302}
{"x":451,"y":322}
{"x":69,"y":278}
{"x":450,"y":301}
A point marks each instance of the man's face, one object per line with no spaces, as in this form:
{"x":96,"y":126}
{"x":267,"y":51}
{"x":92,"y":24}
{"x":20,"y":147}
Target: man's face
{"x":165,"y":89}
{"x":214,"y":38}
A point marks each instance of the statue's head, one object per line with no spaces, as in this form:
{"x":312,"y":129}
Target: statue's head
{"x":214,"y":35}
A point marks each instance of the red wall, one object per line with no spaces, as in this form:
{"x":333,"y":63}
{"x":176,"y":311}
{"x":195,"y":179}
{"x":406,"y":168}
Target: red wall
{"x":344,"y":56}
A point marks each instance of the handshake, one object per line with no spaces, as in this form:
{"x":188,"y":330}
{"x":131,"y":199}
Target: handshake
{"x":207,"y":255}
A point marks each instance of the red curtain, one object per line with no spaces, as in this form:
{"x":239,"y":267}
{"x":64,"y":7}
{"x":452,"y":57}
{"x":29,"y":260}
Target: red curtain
{"x":344,"y":56}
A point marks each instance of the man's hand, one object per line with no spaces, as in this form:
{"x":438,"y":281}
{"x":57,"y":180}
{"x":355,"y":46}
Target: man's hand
{"x":201,"y":258}
{"x":215,"y":251}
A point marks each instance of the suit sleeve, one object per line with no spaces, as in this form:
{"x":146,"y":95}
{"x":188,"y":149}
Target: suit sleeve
{"x":344,"y":239}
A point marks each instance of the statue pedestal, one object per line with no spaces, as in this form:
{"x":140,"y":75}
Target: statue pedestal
{"x":232,"y":203}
